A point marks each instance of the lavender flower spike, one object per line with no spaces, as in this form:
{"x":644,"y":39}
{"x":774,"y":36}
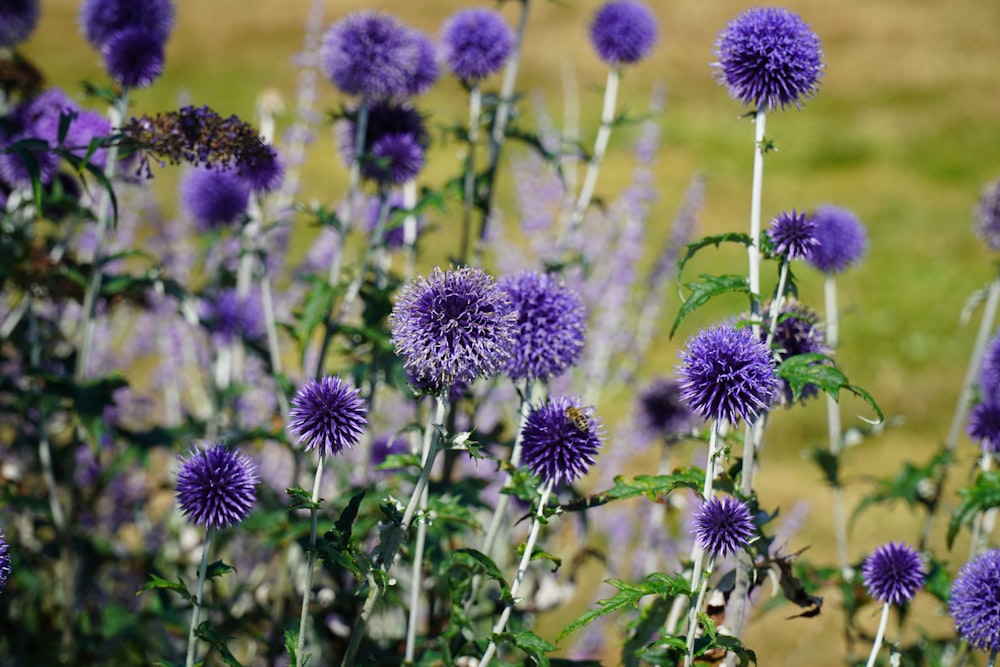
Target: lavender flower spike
{"x":988,"y":216}
{"x":793,"y":234}
{"x":841,"y":239}
{"x":893,"y":573}
{"x":216,"y":487}
{"x":623,"y":32}
{"x":4,"y":561}
{"x":18,"y":19}
{"x":727,"y":374}
{"x":769,"y":58}
{"x":476,"y":43}
{"x":371,"y":54}
{"x":560,"y":440}
{"x":723,"y":525}
{"x":327,"y":414}
{"x":975,"y":601}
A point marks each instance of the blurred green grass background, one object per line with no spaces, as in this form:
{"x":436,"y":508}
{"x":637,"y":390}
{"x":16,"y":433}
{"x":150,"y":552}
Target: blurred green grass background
{"x":905,"y":131}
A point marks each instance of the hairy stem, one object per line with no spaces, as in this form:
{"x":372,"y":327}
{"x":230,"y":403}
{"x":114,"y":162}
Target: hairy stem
{"x":757,"y":187}
{"x":310,"y":559}
{"x":198,"y":597}
{"x":879,"y":636}
{"x":469,"y":186}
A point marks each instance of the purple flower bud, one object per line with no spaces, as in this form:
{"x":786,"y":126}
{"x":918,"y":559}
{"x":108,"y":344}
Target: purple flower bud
{"x":477,"y":43}
{"x":371,"y":54}
{"x":216,"y":487}
{"x":327,"y":414}
{"x":133,"y":57}
{"x":975,"y":601}
{"x":18,"y":19}
{"x":560,"y":440}
{"x":723,"y":526}
{"x":214,"y":198}
{"x":793,"y":234}
{"x":841,"y":239}
{"x":623,"y":32}
{"x":102,"y":19}
{"x":893,"y":573}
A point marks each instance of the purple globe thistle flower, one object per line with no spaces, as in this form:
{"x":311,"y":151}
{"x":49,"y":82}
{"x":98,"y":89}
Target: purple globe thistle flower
{"x":723,"y":525}
{"x":551,"y":325}
{"x":989,"y":374}
{"x":893,"y":573}
{"x":18,"y":19}
{"x":476,"y":43}
{"x":370,"y":54}
{"x":427,"y":71}
{"x":727,"y":374}
{"x":133,"y":57}
{"x":560,"y":440}
{"x":395,"y":159}
{"x":769,"y":58}
{"x":453,"y":326}
{"x":841,"y":239}
{"x":792,"y":234}
{"x":975,"y":601}
{"x":395,"y":142}
{"x":214,"y":198}
{"x":988,"y":216}
{"x":262,"y":171}
{"x":797,"y":332}
{"x":4,"y":561}
{"x":216,"y":487}
{"x":102,"y":19}
{"x":984,"y":424}
{"x":228,"y":317}
{"x":623,"y":32}
{"x":327,"y":414}
{"x":663,"y":415}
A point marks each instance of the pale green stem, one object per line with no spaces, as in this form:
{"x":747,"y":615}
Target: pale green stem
{"x":757,"y":187}
{"x":522,"y":569}
{"x":310,"y":559}
{"x":983,"y":524}
{"x":693,"y":614}
{"x":834,"y":435}
{"x":198,"y":597}
{"x":777,"y":303}
{"x":410,"y":229}
{"x":879,"y":636}
{"x":469,"y":190}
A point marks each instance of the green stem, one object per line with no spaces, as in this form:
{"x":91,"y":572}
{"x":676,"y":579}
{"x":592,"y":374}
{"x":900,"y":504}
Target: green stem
{"x":310,"y":559}
{"x":198,"y":597}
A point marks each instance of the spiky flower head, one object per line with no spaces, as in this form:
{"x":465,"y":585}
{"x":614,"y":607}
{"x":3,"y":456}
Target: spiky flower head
{"x":769,"y":58}
{"x":893,"y":573}
{"x":727,"y":374}
{"x":18,"y":19}
{"x":663,"y":415}
{"x":551,"y":325}
{"x":133,"y":57}
{"x":216,"y":487}
{"x":102,"y":19}
{"x":988,"y":215}
{"x":453,"y":326}
{"x":327,"y":414}
{"x":723,"y":525}
{"x":214,"y":198}
{"x":476,"y":43}
{"x":792,"y":234}
{"x":4,"y":561}
{"x":797,"y":332}
{"x":560,"y":439}
{"x":975,"y":601}
{"x":841,"y":239}
{"x":370,"y":54}
{"x":623,"y":32}
{"x":984,"y":424}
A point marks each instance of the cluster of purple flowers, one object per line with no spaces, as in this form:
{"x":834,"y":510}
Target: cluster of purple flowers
{"x":131,"y":35}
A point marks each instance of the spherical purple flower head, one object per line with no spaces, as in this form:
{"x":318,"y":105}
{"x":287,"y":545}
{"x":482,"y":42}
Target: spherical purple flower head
{"x":797,"y":332}
{"x":841,"y":239}
{"x":727,"y":374}
{"x":228,"y":317}
{"x":988,"y":216}
{"x":792,"y":234}
{"x":984,"y":424}
{"x":216,"y":487}
{"x":893,"y":573}
{"x":623,"y":32}
{"x":263,"y":171}
{"x":18,"y":19}
{"x":975,"y":601}
{"x":395,"y":142}
{"x":214,"y":198}
{"x":723,"y":525}
{"x":476,"y":43}
{"x":133,"y":57}
{"x":394,"y":160}
{"x":427,"y":71}
{"x":989,"y":374}
{"x":769,"y":58}
{"x":453,"y":326}
{"x":662,"y":413}
{"x":4,"y":561}
{"x":371,"y":54}
{"x":554,"y":446}
{"x":327,"y":414}
{"x":551,"y":325}
{"x":102,"y":19}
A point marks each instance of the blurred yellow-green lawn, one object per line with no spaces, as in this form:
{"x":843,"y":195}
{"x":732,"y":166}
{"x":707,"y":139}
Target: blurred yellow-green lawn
{"x":905,"y":131}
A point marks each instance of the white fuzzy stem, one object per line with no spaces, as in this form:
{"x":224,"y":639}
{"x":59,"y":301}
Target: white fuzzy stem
{"x":879,"y":636}
{"x":310,"y":560}
{"x":198,"y":596}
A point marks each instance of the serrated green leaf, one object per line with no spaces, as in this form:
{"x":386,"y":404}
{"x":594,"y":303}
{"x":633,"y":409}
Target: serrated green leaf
{"x":717,"y":240}
{"x":218,"y":569}
{"x":705,"y":290}
{"x":820,"y":370}
{"x":534,"y":646}
{"x":291,"y":642}
{"x":629,"y":595}
{"x":982,"y":495}
{"x":302,"y":499}
{"x":654,"y":487}
{"x":913,"y":485}
{"x":157,"y":581}
{"x":217,"y":641}
{"x":480,"y":562}
{"x":345,"y":522}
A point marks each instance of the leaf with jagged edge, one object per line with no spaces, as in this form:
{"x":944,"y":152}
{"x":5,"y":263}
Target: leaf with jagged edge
{"x":629,"y":595}
{"x":705,"y":290}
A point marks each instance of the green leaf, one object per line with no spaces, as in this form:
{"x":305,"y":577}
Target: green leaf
{"x":704,"y":291}
{"x":345,"y":522}
{"x":654,"y":487}
{"x":302,"y":499}
{"x":315,"y":310}
{"x":821,"y":371}
{"x":692,"y":248}
{"x":217,"y":641}
{"x":914,"y":485}
{"x":480,"y":562}
{"x":291,"y":642}
{"x":982,"y":495}
{"x":629,"y":595}
{"x":218,"y":569}
{"x":534,"y":646}
{"x":157,"y":581}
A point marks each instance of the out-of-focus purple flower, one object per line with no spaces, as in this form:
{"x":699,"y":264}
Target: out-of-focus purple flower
{"x":551,"y":325}
{"x":988,"y":215}
{"x":453,"y":326}
{"x":395,"y":141}
{"x":476,"y":43}
{"x":893,"y":573}
{"x":989,"y":374}
{"x":371,"y":54}
{"x":18,"y":19}
{"x":727,"y":374}
{"x":327,"y":414}
{"x":723,"y":525}
{"x":841,"y":239}
{"x":975,"y":601}
{"x":133,"y":57}
{"x":560,"y":440}
{"x":214,"y":198}
{"x":216,"y":487}
{"x":102,"y":19}
{"x":227,"y":316}
{"x":5,"y":569}
{"x":769,"y":57}
{"x":793,"y":234}
{"x":426,"y":72}
{"x":623,"y":32}
{"x":984,"y":424}
{"x":797,"y":332}
{"x":395,"y":159}
{"x":662,"y":415}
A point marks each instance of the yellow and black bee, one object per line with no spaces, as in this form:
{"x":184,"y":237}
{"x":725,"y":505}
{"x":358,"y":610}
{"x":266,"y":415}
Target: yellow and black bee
{"x":579,"y":416}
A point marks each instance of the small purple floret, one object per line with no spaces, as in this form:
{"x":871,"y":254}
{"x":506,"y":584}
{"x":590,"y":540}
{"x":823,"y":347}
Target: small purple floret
{"x":5,"y":568}
{"x":133,"y":57}
{"x":102,"y":19}
{"x":793,"y":234}
{"x":662,"y":413}
{"x":214,"y":198}
{"x":18,"y":19}
{"x":371,"y":54}
{"x":988,"y":216}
